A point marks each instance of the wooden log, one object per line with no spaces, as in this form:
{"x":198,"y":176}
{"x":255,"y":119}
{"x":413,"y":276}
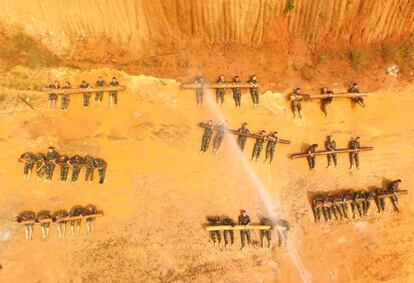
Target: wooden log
{"x":27,"y":103}
{"x":62,"y":219}
{"x":335,"y":95}
{"x":399,"y":192}
{"x":238,"y":227}
{"x":325,"y":152}
{"x":236,"y":132}
{"x":217,"y":85}
{"x":61,"y":91}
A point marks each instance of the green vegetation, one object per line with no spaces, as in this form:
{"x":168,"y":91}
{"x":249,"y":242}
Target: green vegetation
{"x":358,"y":58}
{"x":290,"y":7}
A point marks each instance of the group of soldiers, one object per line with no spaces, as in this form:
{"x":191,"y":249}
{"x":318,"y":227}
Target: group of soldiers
{"x":60,"y":217}
{"x":65,"y":99}
{"x":245,"y":235}
{"x":220,"y":92}
{"x":337,"y":205}
{"x":45,"y":165}
{"x":331,"y":146}
{"x":221,"y":130}
{"x":297,"y":97}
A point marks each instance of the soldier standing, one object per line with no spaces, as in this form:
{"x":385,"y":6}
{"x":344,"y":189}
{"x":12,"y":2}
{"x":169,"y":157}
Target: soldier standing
{"x":199,"y":82}
{"x":336,"y":207}
{"x":215,"y":235}
{"x":29,"y":160}
{"x":28,"y":227}
{"x":89,"y":165}
{"x":379,"y":199}
{"x":346,"y":198}
{"x":40,"y":161}
{"x":220,"y":133}
{"x":51,"y":159}
{"x":64,"y":167}
{"x":236,"y":92}
{"x":254,"y":91}
{"x":113,"y":95}
{"x":326,"y":100}
{"x":258,"y":146}
{"x":356,"y":204}
{"x":357,"y":99}
{"x":99,"y":94}
{"x":266,"y":234}
{"x":43,"y":217}
{"x":75,"y":212}
{"x":89,"y":210}
{"x":327,"y":208}
{"x":331,"y":146}
{"x":220,"y":91}
{"x":65,"y":98}
{"x":241,"y":139}
{"x":311,"y":157}
{"x":101,"y":165}
{"x":271,"y":146}
{"x":283,"y":227}
{"x":354,"y":155}
{"x":60,"y":217}
{"x":77,"y":163}
{"x":317,"y":207}
{"x":226,"y":233}
{"x":366,"y":204}
{"x":53,"y":97}
{"x":208,"y":132}
{"x":296,"y":98}
{"x":393,"y":189}
{"x":86,"y":95}
{"x":244,"y":219}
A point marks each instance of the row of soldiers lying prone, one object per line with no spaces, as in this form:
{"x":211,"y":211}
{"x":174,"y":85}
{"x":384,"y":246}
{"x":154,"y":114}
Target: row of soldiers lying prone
{"x":60,"y":217}
{"x":45,"y":165}
{"x":336,"y":205}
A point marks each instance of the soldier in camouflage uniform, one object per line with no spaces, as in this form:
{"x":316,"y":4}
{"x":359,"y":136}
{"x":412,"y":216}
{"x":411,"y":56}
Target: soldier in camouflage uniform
{"x":29,"y":160}
{"x":208,"y":132}
{"x":86,"y":95}
{"x":51,"y":160}
{"x":327,"y":100}
{"x":220,"y":133}
{"x":28,"y":227}
{"x":244,"y":219}
{"x":99,"y":94}
{"x":40,"y":161}
{"x":241,"y":139}
{"x":90,"y":209}
{"x":393,"y":189}
{"x":296,"y":98}
{"x":64,"y":167}
{"x":100,"y":164}
{"x":327,"y":208}
{"x":311,"y":158}
{"x":266,"y":234}
{"x":228,"y":233}
{"x":65,"y":98}
{"x":254,"y":91}
{"x":336,"y":207}
{"x":58,"y":217}
{"x":236,"y":92}
{"x":199,"y":82}
{"x":74,"y":212}
{"x":366,"y":204}
{"x":220,"y":91}
{"x":215,"y":235}
{"x":356,"y":204}
{"x":346,"y":198}
{"x":44,"y":215}
{"x":53,"y":97}
{"x":258,"y":146}
{"x":113,"y":95}
{"x":77,"y":163}
{"x":331,"y":145}
{"x":89,"y":165}
{"x":359,"y":99}
{"x":379,"y":200}
{"x":317,"y":207}
{"x":283,"y":227}
{"x":354,"y":156}
{"x":271,"y":146}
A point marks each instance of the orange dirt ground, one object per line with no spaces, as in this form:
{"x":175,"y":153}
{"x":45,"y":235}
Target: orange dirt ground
{"x":159,"y":189}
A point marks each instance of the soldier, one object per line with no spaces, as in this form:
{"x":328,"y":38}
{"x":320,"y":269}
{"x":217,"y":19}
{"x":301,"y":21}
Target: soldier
{"x":393,"y":189}
{"x":354,"y":156}
{"x":244,"y":219}
{"x":379,"y":199}
{"x":336,"y":207}
{"x":88,"y":210}
{"x":241,"y":139}
{"x":327,"y":208}
{"x":357,"y":99}
{"x":356,"y":204}
{"x":86,"y":95}
{"x":77,"y":163}
{"x":113,"y":95}
{"x":346,"y":198}
{"x":311,"y":157}
{"x":283,"y":228}
{"x":100,"y":164}
{"x":29,"y":160}
{"x":327,"y":100}
{"x":43,"y":217}
{"x":226,"y":233}
{"x":89,"y":165}
{"x":220,"y":133}
{"x":60,"y":217}
{"x":220,"y":91}
{"x":65,"y":98}
{"x":266,"y":234}
{"x":99,"y":94}
{"x":63,"y":162}
{"x":75,"y":212}
{"x":28,"y":227}
{"x":331,"y":145}
{"x":366,"y":204}
{"x":51,"y":159}
{"x":236,"y":92}
{"x":53,"y":97}
{"x":317,"y":207}
{"x":215,"y":235}
{"x":271,"y":146}
{"x":40,"y":161}
{"x":199,"y":82}
{"x":258,"y":146}
{"x":208,"y":132}
{"x":254,"y":91}
{"x":296,"y":98}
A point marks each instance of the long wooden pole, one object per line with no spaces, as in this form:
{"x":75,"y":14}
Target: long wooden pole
{"x":238,"y":227}
{"x":235,"y":132}
{"x":325,"y":152}
{"x":217,"y":85}
{"x":64,"y":219}
{"x":335,"y":95}
{"x":84,"y":90}
{"x":385,"y":195}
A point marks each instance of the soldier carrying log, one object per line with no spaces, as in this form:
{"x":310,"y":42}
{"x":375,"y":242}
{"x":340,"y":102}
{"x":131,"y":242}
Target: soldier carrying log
{"x":357,"y":99}
{"x":327,"y":100}
{"x":29,"y":160}
{"x":271,"y":146}
{"x":28,"y":227}
{"x":113,"y":95}
{"x":215,"y":235}
{"x":331,"y":145}
{"x":99,"y":94}
{"x":208,"y":132}
{"x":59,"y":217}
{"x":53,"y":97}
{"x":220,"y":91}
{"x":393,"y":189}
{"x":236,"y":92}
{"x":311,"y":157}
{"x":86,"y":95}
{"x":43,"y":215}
{"x":220,"y":133}
{"x":354,"y":155}
{"x":241,"y":139}
{"x":65,"y":98}
{"x":258,"y":146}
{"x":296,"y":100}
{"x":199,"y":82}
{"x":254,"y":91}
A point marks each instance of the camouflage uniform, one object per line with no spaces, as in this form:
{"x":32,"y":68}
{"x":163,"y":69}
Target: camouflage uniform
{"x":380,"y":202}
{"x":354,"y":156}
{"x":244,"y":234}
{"x":218,"y":138}
{"x":270,"y":148}
{"x":317,"y":207}
{"x":77,"y":163}
{"x":86,"y":95}
{"x":327,"y":208}
{"x":53,"y":97}
{"x":29,"y":160}
{"x":51,"y":159}
{"x":99,"y":94}
{"x":64,"y":167}
{"x":311,"y":159}
{"x":237,"y":95}
{"x":90,"y":209}
{"x":205,"y":141}
{"x":366,"y":204}
{"x":73,"y":212}
{"x":331,"y":145}
{"x":101,"y":165}
{"x":296,"y":100}
{"x":346,"y":198}
{"x":60,"y":224}
{"x":266,"y":233}
{"x":65,"y":99}
{"x":326,"y":101}
{"x":226,"y":233}
{"x":114,"y":94}
{"x":393,"y":189}
{"x":336,"y":207}
{"x":359,"y":100}
{"x":43,"y":215}
{"x":258,"y":146}
{"x":356,"y":204}
{"x":215,"y":235}
{"x":89,"y":164}
{"x":220,"y":92}
{"x":254,"y":92}
{"x":241,"y":139}
{"x":40,"y":161}
{"x":27,"y":216}
{"x":282,"y":231}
